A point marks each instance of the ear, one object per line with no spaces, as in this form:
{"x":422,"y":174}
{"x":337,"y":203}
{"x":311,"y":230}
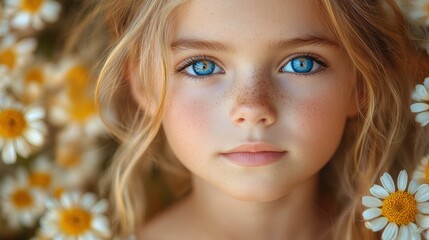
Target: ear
{"x":136,"y":88}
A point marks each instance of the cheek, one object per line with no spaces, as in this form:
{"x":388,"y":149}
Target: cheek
{"x":186,"y":125}
{"x":319,"y":124}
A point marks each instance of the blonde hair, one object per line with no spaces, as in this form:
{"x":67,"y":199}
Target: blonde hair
{"x":142,"y":29}
{"x":383,"y":137}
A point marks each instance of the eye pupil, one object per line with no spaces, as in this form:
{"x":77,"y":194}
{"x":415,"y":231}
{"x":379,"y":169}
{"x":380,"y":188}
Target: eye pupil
{"x":202,"y":68}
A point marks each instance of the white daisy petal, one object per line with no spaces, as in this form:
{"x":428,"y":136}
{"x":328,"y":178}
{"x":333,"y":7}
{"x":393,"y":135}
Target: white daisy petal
{"x":100,"y":207}
{"x":426,"y":82}
{"x":21,"y":20}
{"x":419,"y":174}
{"x":387,"y":182}
{"x":423,"y":118}
{"x":422,"y":221}
{"x":378,"y":224}
{"x":50,"y":11}
{"x":27,"y":219}
{"x":419,"y":107}
{"x":36,"y":113}
{"x":86,"y":236}
{"x":404,"y":233}
{"x":379,"y":191}
{"x":34,"y":137}
{"x":12,"y":3}
{"x":8,"y":153}
{"x":423,"y":207}
{"x":51,"y":203}
{"x":88,"y":200}
{"x":413,"y":187}
{"x":22,"y":148}
{"x":39,"y":126}
{"x":402,"y":180}
{"x":66,"y":200}
{"x":420,"y":93}
{"x":371,"y":202}
{"x":101,"y":224}
{"x":414,"y":232}
{"x":390,"y":232}
{"x":371,"y":213}
{"x":422,"y":194}
{"x":26,"y":45}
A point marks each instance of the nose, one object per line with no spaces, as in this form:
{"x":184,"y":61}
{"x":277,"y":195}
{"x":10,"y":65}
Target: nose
{"x":253,"y":107}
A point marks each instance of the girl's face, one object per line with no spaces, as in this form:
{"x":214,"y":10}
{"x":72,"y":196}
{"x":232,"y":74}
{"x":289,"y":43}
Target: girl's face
{"x":259,"y":96}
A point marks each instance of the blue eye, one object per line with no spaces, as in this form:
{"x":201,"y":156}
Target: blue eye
{"x":202,"y":67}
{"x":302,"y":64}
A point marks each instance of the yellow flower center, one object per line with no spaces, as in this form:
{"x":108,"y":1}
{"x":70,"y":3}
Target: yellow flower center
{"x":400,"y":208}
{"x":21,"y":198}
{"x":31,"y":5}
{"x":8,"y":58}
{"x":81,"y":110}
{"x":58,"y":191}
{"x":34,"y":75}
{"x":68,"y":159}
{"x":12,"y":123}
{"x":40,"y":179}
{"x":75,"y":221}
{"x":77,"y":79}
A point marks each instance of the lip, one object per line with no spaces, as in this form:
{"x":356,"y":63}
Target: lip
{"x":254,"y":154}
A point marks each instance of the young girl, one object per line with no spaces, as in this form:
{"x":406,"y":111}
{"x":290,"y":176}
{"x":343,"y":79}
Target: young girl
{"x":282,"y":113}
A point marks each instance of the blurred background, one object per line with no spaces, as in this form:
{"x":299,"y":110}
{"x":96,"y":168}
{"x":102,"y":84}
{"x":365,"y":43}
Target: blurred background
{"x":53,"y":145}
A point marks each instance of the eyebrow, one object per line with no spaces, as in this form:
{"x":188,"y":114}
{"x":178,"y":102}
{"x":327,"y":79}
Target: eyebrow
{"x":189,"y":43}
{"x":304,"y":41}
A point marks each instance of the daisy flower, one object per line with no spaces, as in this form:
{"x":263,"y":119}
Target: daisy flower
{"x":76,"y":216}
{"x":31,"y":83}
{"x":14,"y":54}
{"x":421,"y":174}
{"x":43,"y":174}
{"x":78,"y":115}
{"x":419,"y":11}
{"x":79,"y":160}
{"x":48,"y":177}
{"x":73,"y":73}
{"x":400,"y":212}
{"x":74,"y":106}
{"x":20,"y":130}
{"x":421,"y":96}
{"x":26,"y":13}
{"x":21,"y":204}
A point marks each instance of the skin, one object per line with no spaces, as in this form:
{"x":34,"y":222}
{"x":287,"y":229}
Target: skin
{"x":249,"y":99}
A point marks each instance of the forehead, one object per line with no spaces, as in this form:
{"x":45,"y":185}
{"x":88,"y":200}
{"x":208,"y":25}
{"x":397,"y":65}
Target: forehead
{"x":250,"y":20}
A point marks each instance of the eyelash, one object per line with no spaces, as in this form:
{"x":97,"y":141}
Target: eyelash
{"x":190,"y":61}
